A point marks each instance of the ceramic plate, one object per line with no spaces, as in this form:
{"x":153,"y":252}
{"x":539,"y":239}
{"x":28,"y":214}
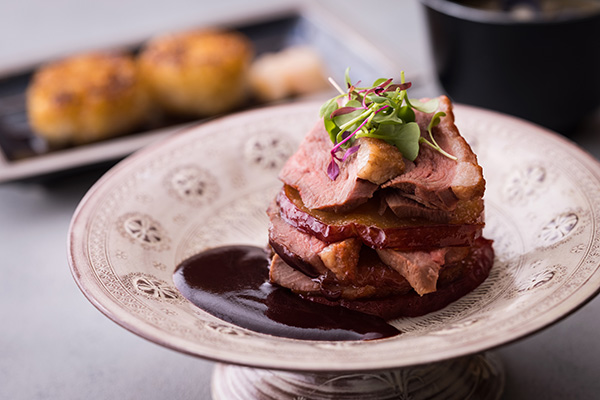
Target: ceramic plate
{"x":210,"y":185}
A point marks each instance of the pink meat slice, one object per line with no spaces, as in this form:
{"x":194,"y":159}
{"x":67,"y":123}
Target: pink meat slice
{"x":296,"y":248}
{"x":284,"y":275}
{"x":421,"y":268}
{"x":435,"y":180}
{"x":306,"y":171}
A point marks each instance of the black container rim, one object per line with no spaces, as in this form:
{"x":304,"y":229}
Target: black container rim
{"x":464,"y":12}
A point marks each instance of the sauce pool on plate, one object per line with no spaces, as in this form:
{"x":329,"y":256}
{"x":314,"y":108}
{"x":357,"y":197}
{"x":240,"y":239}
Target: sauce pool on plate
{"x":232,"y":283}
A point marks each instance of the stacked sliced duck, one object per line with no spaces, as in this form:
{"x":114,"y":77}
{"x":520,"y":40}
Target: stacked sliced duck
{"x":389,"y":236}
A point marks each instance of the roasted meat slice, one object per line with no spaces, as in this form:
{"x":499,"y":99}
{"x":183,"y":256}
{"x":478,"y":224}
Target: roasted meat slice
{"x":306,"y":171}
{"x":284,"y":275}
{"x":422,"y":268}
{"x":435,"y":180}
{"x":465,"y":211}
{"x":455,"y":281}
{"x":373,"y":279}
{"x":382,"y":291}
{"x":296,"y":248}
{"x":377,"y":161}
{"x":341,"y":258}
{"x":310,"y":255}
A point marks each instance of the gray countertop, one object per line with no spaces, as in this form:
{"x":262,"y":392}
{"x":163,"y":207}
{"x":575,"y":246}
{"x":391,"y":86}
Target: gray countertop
{"x":55,"y":345}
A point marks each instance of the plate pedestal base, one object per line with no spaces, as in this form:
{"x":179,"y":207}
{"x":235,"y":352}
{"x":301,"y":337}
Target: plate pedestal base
{"x":479,"y":376}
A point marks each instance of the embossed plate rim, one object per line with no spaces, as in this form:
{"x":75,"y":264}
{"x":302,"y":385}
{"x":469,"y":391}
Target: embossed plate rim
{"x":251,"y":349}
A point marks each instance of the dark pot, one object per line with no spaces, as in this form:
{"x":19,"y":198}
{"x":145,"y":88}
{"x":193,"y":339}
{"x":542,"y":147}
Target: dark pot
{"x":544,"y":70}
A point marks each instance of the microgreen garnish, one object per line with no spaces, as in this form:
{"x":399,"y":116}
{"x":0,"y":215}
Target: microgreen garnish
{"x":381,"y":111}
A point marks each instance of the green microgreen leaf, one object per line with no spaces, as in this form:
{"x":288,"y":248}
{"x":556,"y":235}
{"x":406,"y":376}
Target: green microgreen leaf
{"x":406,"y":114}
{"x":435,"y":120}
{"x":377,"y":99}
{"x":328,"y":107}
{"x":388,"y":116}
{"x":347,"y":77}
{"x":406,"y":139}
{"x":379,"y":81}
{"x":382,"y":111}
{"x":345,"y":121}
{"x":331,"y":128}
{"x":425,"y":107}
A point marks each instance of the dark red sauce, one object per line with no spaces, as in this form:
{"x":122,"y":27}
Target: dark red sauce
{"x":232,"y":283}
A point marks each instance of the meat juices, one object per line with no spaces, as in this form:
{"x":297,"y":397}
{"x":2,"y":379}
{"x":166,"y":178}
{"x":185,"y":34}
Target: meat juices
{"x":388,"y":236}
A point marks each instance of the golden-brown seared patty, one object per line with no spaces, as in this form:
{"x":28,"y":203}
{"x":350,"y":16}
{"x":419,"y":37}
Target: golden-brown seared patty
{"x":199,"y":72}
{"x":86,"y":98}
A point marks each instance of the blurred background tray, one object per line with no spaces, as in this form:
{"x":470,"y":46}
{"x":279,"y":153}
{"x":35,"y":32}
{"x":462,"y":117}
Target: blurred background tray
{"x":24,"y":156}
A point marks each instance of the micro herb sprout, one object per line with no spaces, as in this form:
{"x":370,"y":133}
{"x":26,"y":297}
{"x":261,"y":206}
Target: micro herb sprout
{"x":382,"y":111}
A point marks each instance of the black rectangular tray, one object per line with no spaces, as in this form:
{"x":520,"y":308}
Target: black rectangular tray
{"x":23,"y":155}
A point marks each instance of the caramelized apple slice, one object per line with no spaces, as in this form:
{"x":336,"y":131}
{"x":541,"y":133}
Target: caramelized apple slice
{"x":374,"y":229}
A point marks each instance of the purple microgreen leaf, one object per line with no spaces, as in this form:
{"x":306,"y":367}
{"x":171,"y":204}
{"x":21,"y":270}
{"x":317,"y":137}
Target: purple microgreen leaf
{"x":350,"y":151}
{"x":401,"y":86}
{"x":333,"y":170}
{"x":334,"y":155}
{"x":344,"y":110}
{"x":340,"y":144}
{"x":378,"y":90}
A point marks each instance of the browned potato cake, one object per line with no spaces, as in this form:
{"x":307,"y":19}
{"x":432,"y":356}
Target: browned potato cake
{"x":86,"y":98}
{"x":199,"y":72}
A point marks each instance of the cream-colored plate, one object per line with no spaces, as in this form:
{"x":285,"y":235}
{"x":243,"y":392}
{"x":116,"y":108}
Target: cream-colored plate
{"x":210,"y":185}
